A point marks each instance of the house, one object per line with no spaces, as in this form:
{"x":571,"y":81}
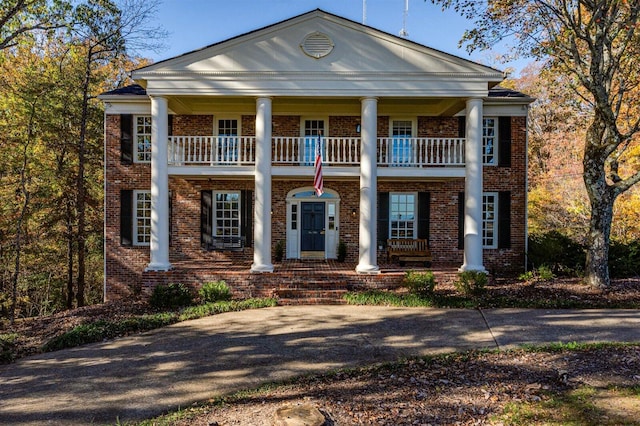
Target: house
{"x":209,"y":159}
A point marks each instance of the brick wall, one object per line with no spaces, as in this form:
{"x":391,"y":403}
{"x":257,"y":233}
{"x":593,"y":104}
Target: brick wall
{"x":125,"y":265}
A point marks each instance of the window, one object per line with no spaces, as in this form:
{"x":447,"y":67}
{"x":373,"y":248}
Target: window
{"x":312,"y":129}
{"x":401,"y":145}
{"x":143,"y":139}
{"x":402,"y":215}
{"x":227,"y":149}
{"x":489,"y":140}
{"x":142,"y":218}
{"x":226,"y":213}
{"x":490,"y":220}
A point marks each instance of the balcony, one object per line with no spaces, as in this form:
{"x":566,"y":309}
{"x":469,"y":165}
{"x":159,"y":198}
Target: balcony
{"x":293,"y":155}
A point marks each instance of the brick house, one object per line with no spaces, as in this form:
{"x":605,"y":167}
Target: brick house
{"x":209,"y":159}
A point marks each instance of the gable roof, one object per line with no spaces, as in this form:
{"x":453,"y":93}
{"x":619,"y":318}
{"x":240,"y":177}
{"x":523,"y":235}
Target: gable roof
{"x":316,"y":54}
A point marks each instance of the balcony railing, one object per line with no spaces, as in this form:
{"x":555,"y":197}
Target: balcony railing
{"x":336,"y":151}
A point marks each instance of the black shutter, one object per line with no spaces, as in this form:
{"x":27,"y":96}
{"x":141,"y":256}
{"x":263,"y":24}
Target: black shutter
{"x":462,"y":126}
{"x":461,"y":220}
{"x":126,"y":217}
{"x":126,"y":138}
{"x":424,"y":201}
{"x":206,"y":218}
{"x":504,"y":141}
{"x":246,"y":199}
{"x":504,"y":219}
{"x":383,"y":219}
{"x":170,"y":218}
{"x":170,"y":124}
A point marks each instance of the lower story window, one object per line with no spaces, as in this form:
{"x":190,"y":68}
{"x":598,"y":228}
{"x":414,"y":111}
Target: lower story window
{"x":490,"y":219}
{"x":226,"y":214}
{"x":142,"y":218}
{"x":402,"y":215}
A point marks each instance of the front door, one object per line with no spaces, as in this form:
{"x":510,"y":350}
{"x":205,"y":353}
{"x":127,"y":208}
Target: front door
{"x":312,"y":238}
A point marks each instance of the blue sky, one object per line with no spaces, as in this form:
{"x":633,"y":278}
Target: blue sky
{"x":193,"y":24}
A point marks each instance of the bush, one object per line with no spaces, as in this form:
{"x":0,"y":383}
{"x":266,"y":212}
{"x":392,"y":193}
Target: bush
{"x":560,"y":253}
{"x":421,"y":283}
{"x":543,"y":273}
{"x":170,"y":296}
{"x":215,"y":292}
{"x":278,"y":251}
{"x":471,"y":283}
{"x":342,"y":251}
{"x":624,"y":259}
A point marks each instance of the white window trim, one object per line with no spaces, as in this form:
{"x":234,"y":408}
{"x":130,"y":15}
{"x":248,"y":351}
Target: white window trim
{"x":216,"y":123}
{"x":415,"y":212}
{"x":317,"y":118}
{"x":135,"y":139}
{"x":495,"y":141}
{"x":136,"y":233}
{"x":214,"y":211}
{"x":496,"y":200}
{"x":414,"y":125}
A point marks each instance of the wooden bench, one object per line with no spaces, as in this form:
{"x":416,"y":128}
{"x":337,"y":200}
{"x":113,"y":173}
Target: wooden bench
{"x":226,"y":244}
{"x":405,"y":250}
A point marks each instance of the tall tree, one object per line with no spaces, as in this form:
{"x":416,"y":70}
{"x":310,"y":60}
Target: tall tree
{"x":21,"y":17}
{"x":597,"y":42}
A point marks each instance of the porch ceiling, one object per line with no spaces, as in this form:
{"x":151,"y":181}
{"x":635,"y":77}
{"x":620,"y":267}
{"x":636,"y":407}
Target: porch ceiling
{"x":434,"y":106}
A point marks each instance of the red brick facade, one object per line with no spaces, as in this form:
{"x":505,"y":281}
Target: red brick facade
{"x":125,"y":264}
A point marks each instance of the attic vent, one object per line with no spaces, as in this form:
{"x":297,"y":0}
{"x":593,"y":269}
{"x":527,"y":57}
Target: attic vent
{"x":317,"y":45}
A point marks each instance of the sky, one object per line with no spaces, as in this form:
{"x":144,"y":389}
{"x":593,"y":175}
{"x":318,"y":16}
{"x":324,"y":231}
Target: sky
{"x":193,"y":24}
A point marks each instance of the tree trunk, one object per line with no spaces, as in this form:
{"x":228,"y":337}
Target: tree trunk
{"x":69,"y":254}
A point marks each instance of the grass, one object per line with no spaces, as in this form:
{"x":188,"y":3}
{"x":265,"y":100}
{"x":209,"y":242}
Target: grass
{"x":101,"y":330}
{"x":386,"y":298}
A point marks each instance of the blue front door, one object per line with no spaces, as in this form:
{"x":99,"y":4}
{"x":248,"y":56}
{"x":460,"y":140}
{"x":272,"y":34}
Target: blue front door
{"x":312,"y":226}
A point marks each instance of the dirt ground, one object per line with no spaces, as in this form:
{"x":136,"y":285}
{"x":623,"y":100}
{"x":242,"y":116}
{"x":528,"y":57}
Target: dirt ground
{"x":466,"y":389}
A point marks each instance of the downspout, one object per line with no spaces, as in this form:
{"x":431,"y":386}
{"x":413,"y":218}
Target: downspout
{"x":104,"y":205}
{"x":526,"y":190}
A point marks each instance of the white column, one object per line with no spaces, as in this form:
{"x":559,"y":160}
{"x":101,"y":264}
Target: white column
{"x":159,"y":186}
{"x":368,"y":262}
{"x":473,"y":189}
{"x":262,"y":212}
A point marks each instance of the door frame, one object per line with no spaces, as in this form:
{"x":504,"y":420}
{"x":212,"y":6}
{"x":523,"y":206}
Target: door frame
{"x":295,"y":198}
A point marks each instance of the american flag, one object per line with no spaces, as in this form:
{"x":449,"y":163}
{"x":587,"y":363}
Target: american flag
{"x":318,"y":183}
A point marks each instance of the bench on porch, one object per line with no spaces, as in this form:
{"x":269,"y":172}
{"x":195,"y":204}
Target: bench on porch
{"x":405,"y":250}
{"x":225,"y":244}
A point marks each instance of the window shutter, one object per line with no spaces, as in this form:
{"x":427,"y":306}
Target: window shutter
{"x":170,"y":125}
{"x":170,"y":218}
{"x":424,"y":201}
{"x":504,"y":219}
{"x":383,"y":218}
{"x":126,"y":217}
{"x":126,"y":138}
{"x":504,"y":141}
{"x":246,"y":199}
{"x":206,"y":218}
{"x":461,"y":220}
{"x":462,"y":126}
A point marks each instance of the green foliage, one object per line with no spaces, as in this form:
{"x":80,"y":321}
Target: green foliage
{"x":420,"y":283}
{"x":560,"y":253}
{"x":7,"y":342}
{"x":624,"y":259}
{"x":170,"y":296}
{"x":543,"y":273}
{"x":215,"y":291}
{"x":471,"y":283}
{"x":199,"y":311}
{"x":386,"y":298}
{"x":278,"y":252}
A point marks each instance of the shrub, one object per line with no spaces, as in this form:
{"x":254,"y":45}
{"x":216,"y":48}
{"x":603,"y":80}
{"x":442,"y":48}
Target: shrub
{"x":471,"y":283}
{"x":214,"y":292}
{"x":560,"y":253}
{"x":624,"y":259}
{"x":170,"y":296}
{"x":421,"y":283}
{"x":342,"y":251}
{"x":278,"y":251}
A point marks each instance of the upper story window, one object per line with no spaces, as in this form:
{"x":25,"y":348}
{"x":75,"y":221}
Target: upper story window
{"x":227,"y":143}
{"x":489,"y":141}
{"x":490,"y":220}
{"x":312,"y":129}
{"x":142,"y":139}
{"x":142,"y":218}
{"x":402,"y":215}
{"x":401,"y":143}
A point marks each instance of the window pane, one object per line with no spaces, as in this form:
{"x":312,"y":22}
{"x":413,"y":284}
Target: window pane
{"x":227,"y":214}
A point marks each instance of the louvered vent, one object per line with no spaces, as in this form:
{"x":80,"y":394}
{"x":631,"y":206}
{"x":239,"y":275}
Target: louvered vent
{"x":317,"y":45}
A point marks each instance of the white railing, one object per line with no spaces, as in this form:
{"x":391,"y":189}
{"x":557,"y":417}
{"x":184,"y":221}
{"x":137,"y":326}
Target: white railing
{"x":240,"y":150}
{"x":302,"y":150}
{"x":211,"y":150}
{"x":420,"y":152}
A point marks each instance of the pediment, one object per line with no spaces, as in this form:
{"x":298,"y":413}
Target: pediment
{"x":316,"y":46}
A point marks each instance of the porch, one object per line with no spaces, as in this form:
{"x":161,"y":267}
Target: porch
{"x":292,"y":281}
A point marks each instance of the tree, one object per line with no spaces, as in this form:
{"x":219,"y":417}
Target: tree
{"x":20,"y":17}
{"x":597,"y":44}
